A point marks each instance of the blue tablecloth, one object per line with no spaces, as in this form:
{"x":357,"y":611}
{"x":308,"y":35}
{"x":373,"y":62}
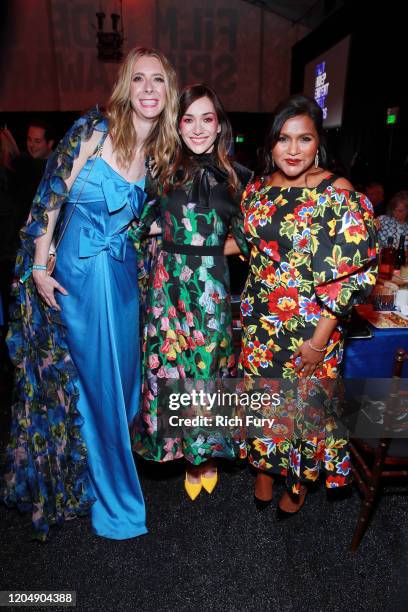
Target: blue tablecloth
{"x":373,"y":357}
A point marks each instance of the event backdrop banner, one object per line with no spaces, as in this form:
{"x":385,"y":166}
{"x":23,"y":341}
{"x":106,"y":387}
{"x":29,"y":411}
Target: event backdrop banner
{"x":49,"y":50}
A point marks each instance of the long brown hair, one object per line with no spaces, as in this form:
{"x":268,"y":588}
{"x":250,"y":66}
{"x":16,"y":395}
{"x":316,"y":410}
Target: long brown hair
{"x":182,"y":159}
{"x":163,"y":138}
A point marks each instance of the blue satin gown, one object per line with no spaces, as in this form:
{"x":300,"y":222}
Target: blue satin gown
{"x":97,"y":266}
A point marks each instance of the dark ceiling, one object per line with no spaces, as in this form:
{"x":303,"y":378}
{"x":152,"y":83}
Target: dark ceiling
{"x":310,"y":13}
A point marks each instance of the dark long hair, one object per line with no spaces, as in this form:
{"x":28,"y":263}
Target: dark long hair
{"x":293,"y":107}
{"x":183,"y":158}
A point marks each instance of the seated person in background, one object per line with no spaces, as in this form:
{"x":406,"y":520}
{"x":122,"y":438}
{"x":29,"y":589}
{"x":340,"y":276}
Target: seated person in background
{"x":375,"y":193}
{"x":395,"y":222}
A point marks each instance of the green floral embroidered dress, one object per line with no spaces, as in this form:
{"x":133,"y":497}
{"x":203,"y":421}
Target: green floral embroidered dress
{"x":188,"y":331}
{"x":313,"y":255}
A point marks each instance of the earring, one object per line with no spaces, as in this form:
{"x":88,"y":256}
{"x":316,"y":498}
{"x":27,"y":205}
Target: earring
{"x":272,"y":163}
{"x":317,"y":159}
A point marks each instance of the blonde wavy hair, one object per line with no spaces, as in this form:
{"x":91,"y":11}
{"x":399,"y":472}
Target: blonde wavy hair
{"x":163,"y":138}
{"x":8,"y":148}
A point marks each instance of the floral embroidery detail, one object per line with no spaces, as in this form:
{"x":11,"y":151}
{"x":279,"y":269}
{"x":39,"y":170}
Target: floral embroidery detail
{"x":189,"y":309}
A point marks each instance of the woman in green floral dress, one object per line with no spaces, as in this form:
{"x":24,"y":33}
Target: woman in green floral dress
{"x":188,"y":332}
{"x":313,"y":252}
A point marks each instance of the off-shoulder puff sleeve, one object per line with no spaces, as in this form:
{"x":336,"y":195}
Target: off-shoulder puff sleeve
{"x":344,"y":250}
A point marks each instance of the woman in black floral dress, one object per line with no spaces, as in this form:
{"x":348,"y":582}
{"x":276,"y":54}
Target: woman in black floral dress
{"x":188,"y":332}
{"x":312,"y":257}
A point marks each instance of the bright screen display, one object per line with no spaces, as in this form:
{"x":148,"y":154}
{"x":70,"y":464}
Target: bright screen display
{"x":325,"y":81}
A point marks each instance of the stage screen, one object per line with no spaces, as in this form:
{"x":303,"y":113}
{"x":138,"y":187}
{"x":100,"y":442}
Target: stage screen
{"x":325,"y":81}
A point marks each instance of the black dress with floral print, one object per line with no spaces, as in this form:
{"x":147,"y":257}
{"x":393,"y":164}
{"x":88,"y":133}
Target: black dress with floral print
{"x":312,"y":255}
{"x":188,"y":331}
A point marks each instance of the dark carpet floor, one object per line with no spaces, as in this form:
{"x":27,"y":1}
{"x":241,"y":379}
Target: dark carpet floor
{"x":219,"y":553}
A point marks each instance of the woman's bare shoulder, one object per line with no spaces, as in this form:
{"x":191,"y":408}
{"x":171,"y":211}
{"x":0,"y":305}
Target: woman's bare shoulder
{"x":343,"y":183}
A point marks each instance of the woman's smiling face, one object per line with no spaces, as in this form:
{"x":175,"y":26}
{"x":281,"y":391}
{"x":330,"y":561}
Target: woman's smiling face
{"x":294,"y":153}
{"x":148,"y":88}
{"x":199,"y":126}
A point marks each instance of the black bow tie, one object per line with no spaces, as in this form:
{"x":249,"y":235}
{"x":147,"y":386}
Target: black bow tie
{"x":200,"y":191}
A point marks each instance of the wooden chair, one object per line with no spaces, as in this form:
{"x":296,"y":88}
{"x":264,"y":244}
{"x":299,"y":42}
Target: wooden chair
{"x":375,"y":461}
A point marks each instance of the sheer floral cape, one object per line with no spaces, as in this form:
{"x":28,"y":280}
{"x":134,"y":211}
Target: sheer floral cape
{"x":45,"y":469}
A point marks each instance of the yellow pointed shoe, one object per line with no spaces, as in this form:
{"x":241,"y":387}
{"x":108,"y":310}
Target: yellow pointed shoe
{"x":193,"y":489}
{"x":210,"y":483}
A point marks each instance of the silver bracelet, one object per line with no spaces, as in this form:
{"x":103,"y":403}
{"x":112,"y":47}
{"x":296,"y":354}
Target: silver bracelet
{"x":38,"y":267}
{"x":314,"y":348}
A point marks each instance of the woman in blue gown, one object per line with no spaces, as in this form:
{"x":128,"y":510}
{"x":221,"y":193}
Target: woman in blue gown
{"x":97,"y":266}
{"x":76,"y":347}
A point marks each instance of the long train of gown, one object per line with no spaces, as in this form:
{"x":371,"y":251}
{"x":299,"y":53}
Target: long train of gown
{"x":97,"y":266}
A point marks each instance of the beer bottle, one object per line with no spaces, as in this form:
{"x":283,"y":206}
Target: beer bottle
{"x":400,"y":258}
{"x":387,"y":259}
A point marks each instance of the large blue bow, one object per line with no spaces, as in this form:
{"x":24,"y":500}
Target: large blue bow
{"x":118,"y":194}
{"x":92,"y":242}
